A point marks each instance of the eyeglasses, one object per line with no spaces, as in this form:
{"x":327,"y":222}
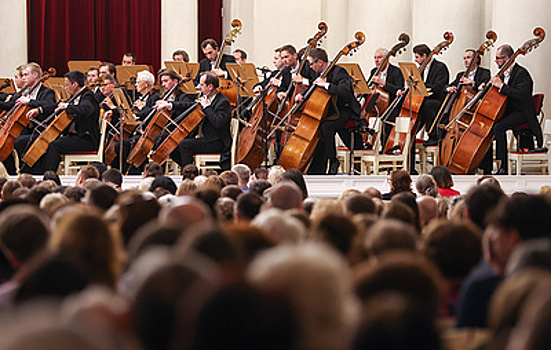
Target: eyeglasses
{"x":500,"y":57}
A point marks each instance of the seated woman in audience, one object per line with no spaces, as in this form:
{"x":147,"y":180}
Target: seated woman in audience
{"x":444,"y":181}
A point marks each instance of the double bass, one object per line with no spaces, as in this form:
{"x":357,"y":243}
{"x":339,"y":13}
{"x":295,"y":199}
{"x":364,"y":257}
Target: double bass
{"x":16,"y":119}
{"x":298,"y":151}
{"x":454,"y":103}
{"x":377,"y":102}
{"x":416,"y":100}
{"x":154,"y":122}
{"x":489,"y":105}
{"x":252,"y":138}
{"x":227,"y":87}
{"x":60,"y":122}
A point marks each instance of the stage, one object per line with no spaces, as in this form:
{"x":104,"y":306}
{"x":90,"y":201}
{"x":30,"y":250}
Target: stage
{"x":326,"y":186}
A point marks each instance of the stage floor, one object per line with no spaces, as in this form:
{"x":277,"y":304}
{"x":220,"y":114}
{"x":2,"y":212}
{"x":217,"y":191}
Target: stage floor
{"x":332,"y":186}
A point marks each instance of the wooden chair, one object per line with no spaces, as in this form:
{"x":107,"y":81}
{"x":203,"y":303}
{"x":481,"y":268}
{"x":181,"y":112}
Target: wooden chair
{"x":71,"y":160}
{"x":531,"y":159}
{"x":374,"y":161}
{"x":212,"y":161}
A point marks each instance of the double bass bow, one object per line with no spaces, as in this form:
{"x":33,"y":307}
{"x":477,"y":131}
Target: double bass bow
{"x":154,"y":124}
{"x":60,"y":122}
{"x":489,"y":105}
{"x":16,"y":119}
{"x":416,"y":100}
{"x":226,"y":86}
{"x":298,"y":151}
{"x":455,"y":101}
{"x":252,"y":138}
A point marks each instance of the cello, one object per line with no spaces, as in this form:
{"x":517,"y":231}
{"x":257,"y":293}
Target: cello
{"x":298,"y":151}
{"x":455,"y":101}
{"x":227,"y":87}
{"x":252,"y":138}
{"x":377,"y":102}
{"x":16,"y":119}
{"x":155,"y":122}
{"x":416,"y":100}
{"x":489,"y":105}
{"x":60,"y":122}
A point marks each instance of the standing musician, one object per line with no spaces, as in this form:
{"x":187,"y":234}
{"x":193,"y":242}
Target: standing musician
{"x":41,"y":102}
{"x":390,"y":80}
{"x":214,"y":133}
{"x":211,"y":51}
{"x":436,"y":76}
{"x":516,"y":83}
{"x":343,"y":107}
{"x":82,"y":134}
{"x":143,"y":106}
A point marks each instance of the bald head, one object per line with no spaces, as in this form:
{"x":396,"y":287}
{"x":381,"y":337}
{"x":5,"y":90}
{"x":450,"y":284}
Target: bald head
{"x":428,"y":209}
{"x":285,"y":195}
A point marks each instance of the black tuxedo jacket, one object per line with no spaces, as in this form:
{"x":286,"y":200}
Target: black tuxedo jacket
{"x":287,"y":76}
{"x":342,"y":87}
{"x":204,"y":65}
{"x":149,"y":104}
{"x":86,"y":116}
{"x":216,"y":124}
{"x":394,"y":80}
{"x":482,"y":75}
{"x":437,"y":79}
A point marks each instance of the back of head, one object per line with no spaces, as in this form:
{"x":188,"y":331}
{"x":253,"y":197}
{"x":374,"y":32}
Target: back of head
{"x":259,"y":186}
{"x":357,"y":204}
{"x":442,"y":176}
{"x":248,"y":205}
{"x":23,"y":232}
{"x":103,"y":196}
{"x":27,"y":180}
{"x":231,"y":191}
{"x":336,"y":230}
{"x":428,"y":209}
{"x":230,"y":177}
{"x":426,"y":186}
{"x":243,"y":173}
{"x":400,"y":181}
{"x":87,"y":172}
{"x":482,"y":200}
{"x":389,"y":235}
{"x":296,"y":176}
{"x":164,"y":182}
{"x":112,"y":176}
{"x":285,"y":195}
{"x":186,"y":212}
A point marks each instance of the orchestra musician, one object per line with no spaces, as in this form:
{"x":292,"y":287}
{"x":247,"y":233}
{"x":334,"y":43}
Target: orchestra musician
{"x":290,"y":71}
{"x":517,"y":84}
{"x":240,"y":56}
{"x":41,"y":102}
{"x":82,"y":134}
{"x":477,"y":76}
{"x":128,"y":59}
{"x":92,"y":76}
{"x":19,"y":84}
{"x":180,"y":56}
{"x":339,"y":84}
{"x":107,"y":104}
{"x":143,"y":106}
{"x":214,"y":133}
{"x":211,"y":51}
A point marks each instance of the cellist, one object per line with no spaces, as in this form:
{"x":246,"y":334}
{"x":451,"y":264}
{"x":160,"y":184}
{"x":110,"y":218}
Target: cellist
{"x":517,"y":84}
{"x":81,"y":135}
{"x":214,"y":133}
{"x":143,"y":106}
{"x":42,"y":103}
{"x":19,"y":84}
{"x":343,"y":107}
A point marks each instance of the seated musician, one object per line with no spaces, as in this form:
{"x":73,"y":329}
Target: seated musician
{"x":128,"y":59}
{"x":92,"y":76}
{"x":211,"y":51}
{"x":143,"y":106}
{"x":82,"y":134}
{"x":41,"y":102}
{"x":5,"y":98}
{"x":107,"y":103}
{"x":270,"y":78}
{"x":436,"y":76}
{"x":517,"y":84}
{"x":180,"y":56}
{"x":390,"y":80}
{"x":290,"y":71}
{"x":339,"y":84}
{"x":214,"y":133}
{"x":240,"y":56}
{"x":476,"y":77}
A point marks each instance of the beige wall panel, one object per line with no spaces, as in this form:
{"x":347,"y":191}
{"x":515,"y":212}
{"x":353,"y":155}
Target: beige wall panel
{"x":13,"y":35}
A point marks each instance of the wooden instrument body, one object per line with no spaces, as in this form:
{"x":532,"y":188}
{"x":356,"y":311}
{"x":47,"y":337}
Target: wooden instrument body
{"x":147,"y":140}
{"x":416,"y":102}
{"x":40,"y":145}
{"x":476,"y":139}
{"x":181,"y":132}
{"x":382,"y":100}
{"x":109,"y":153}
{"x":228,"y":89}
{"x":298,"y":151}
{"x":251,"y":150}
{"x":11,"y":129}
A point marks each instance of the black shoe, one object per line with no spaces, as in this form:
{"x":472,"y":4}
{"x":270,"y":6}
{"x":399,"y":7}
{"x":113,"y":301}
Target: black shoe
{"x":334,"y":167}
{"x":539,"y":150}
{"x":501,"y":171}
{"x":430,"y":142}
{"x":414,"y":172}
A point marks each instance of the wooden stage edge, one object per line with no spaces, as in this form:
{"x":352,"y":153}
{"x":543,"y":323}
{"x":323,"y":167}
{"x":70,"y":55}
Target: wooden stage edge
{"x":326,"y":186}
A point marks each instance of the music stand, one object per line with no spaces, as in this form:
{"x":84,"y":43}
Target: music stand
{"x":82,"y":66}
{"x":9,"y":86}
{"x":125,"y":74}
{"x":244,"y":77}
{"x":188,"y":72}
{"x":126,"y":116}
{"x":360,"y":84}
{"x":415,"y":84}
{"x":58,"y":85}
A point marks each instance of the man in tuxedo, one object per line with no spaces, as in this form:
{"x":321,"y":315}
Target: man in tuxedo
{"x":515,"y":83}
{"x":342,"y":107}
{"x":211,"y":51}
{"x":214,"y":132}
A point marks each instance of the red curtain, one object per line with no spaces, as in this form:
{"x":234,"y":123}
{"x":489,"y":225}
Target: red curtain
{"x":210,"y":22}
{"x":63,"y":30}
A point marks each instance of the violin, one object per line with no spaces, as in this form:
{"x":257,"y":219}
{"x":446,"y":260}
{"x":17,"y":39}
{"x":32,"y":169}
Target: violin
{"x":298,"y":151}
{"x":16,"y":119}
{"x":489,"y":105}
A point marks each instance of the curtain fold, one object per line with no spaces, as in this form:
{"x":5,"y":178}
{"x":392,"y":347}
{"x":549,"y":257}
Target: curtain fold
{"x":63,"y":30}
